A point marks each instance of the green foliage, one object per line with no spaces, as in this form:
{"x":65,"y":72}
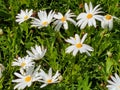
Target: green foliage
{"x":80,"y":72}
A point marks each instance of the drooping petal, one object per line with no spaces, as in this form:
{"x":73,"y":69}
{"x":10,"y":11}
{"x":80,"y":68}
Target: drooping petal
{"x":65,"y":25}
{"x":111,"y":25}
{"x":43,"y":85}
{"x":71,"y":20}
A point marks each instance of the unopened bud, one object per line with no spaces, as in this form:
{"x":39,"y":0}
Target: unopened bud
{"x":60,"y":78}
{"x":109,"y":54}
{"x":1,"y":31}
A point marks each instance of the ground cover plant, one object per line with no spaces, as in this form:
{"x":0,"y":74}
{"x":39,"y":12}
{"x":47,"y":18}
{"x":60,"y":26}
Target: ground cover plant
{"x":60,"y":44}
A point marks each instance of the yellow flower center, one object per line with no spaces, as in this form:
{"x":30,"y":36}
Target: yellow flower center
{"x":49,"y":81}
{"x":79,"y":45}
{"x":63,"y":19}
{"x":108,"y":17}
{"x":89,"y":16}
{"x":23,"y":64}
{"x":45,"y":23}
{"x":28,"y":78}
{"x":25,"y":17}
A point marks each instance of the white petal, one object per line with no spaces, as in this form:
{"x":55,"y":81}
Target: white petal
{"x":75,"y":52}
{"x":19,"y":85}
{"x":98,"y":17}
{"x":87,"y":47}
{"x":110,"y":82}
{"x":90,"y":22}
{"x":56,"y":75}
{"x":91,"y":7}
{"x":88,"y":53}
{"x":110,"y":25}
{"x":83,"y":38}
{"x":70,"y":49}
{"x":17,"y":80}
{"x":50,"y":72}
{"x":103,"y":24}
{"x":87,"y":8}
{"x":58,"y":26}
{"x":50,"y":15}
{"x":18,"y":75}
{"x":43,"y":85}
{"x":113,"y":78}
{"x":71,"y":20}
{"x":80,"y":22}
{"x":77,"y":38}
{"x":95,"y":8}
{"x":58,"y":16}
{"x":29,"y":53}
{"x":81,"y":15}
{"x":94,"y":22}
{"x":70,"y":41}
{"x":65,"y":25}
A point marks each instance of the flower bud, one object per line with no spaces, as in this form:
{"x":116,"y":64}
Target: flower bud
{"x":60,"y":78}
{"x":1,"y":31}
{"x":109,"y":54}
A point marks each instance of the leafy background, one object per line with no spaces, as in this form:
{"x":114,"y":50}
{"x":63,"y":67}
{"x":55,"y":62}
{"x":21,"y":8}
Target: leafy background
{"x":80,"y":72}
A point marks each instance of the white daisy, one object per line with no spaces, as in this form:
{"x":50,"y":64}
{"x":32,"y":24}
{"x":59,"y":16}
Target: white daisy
{"x":107,"y":21}
{"x":48,"y":78}
{"x":62,"y":20}
{"x":24,"y":15}
{"x":37,"y":53}
{"x":44,"y":19}
{"x":24,"y":62}
{"x":77,"y":45}
{"x":114,"y":84}
{"x":27,"y":77}
{"x":90,"y":16}
{"x":2,"y":68}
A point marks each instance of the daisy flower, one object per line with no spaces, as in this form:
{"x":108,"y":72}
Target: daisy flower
{"x":44,"y":19}
{"x":24,"y":15}
{"x":62,"y":20}
{"x":37,"y":53}
{"x":90,"y":16}
{"x":107,"y":21}
{"x":77,"y":45}
{"x":27,"y":77}
{"x":114,"y":84}
{"x":24,"y":62}
{"x":2,"y":68}
{"x":48,"y":78}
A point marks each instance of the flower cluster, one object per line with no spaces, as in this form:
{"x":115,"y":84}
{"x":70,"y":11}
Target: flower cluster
{"x":59,"y":20}
{"x":29,"y":74}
